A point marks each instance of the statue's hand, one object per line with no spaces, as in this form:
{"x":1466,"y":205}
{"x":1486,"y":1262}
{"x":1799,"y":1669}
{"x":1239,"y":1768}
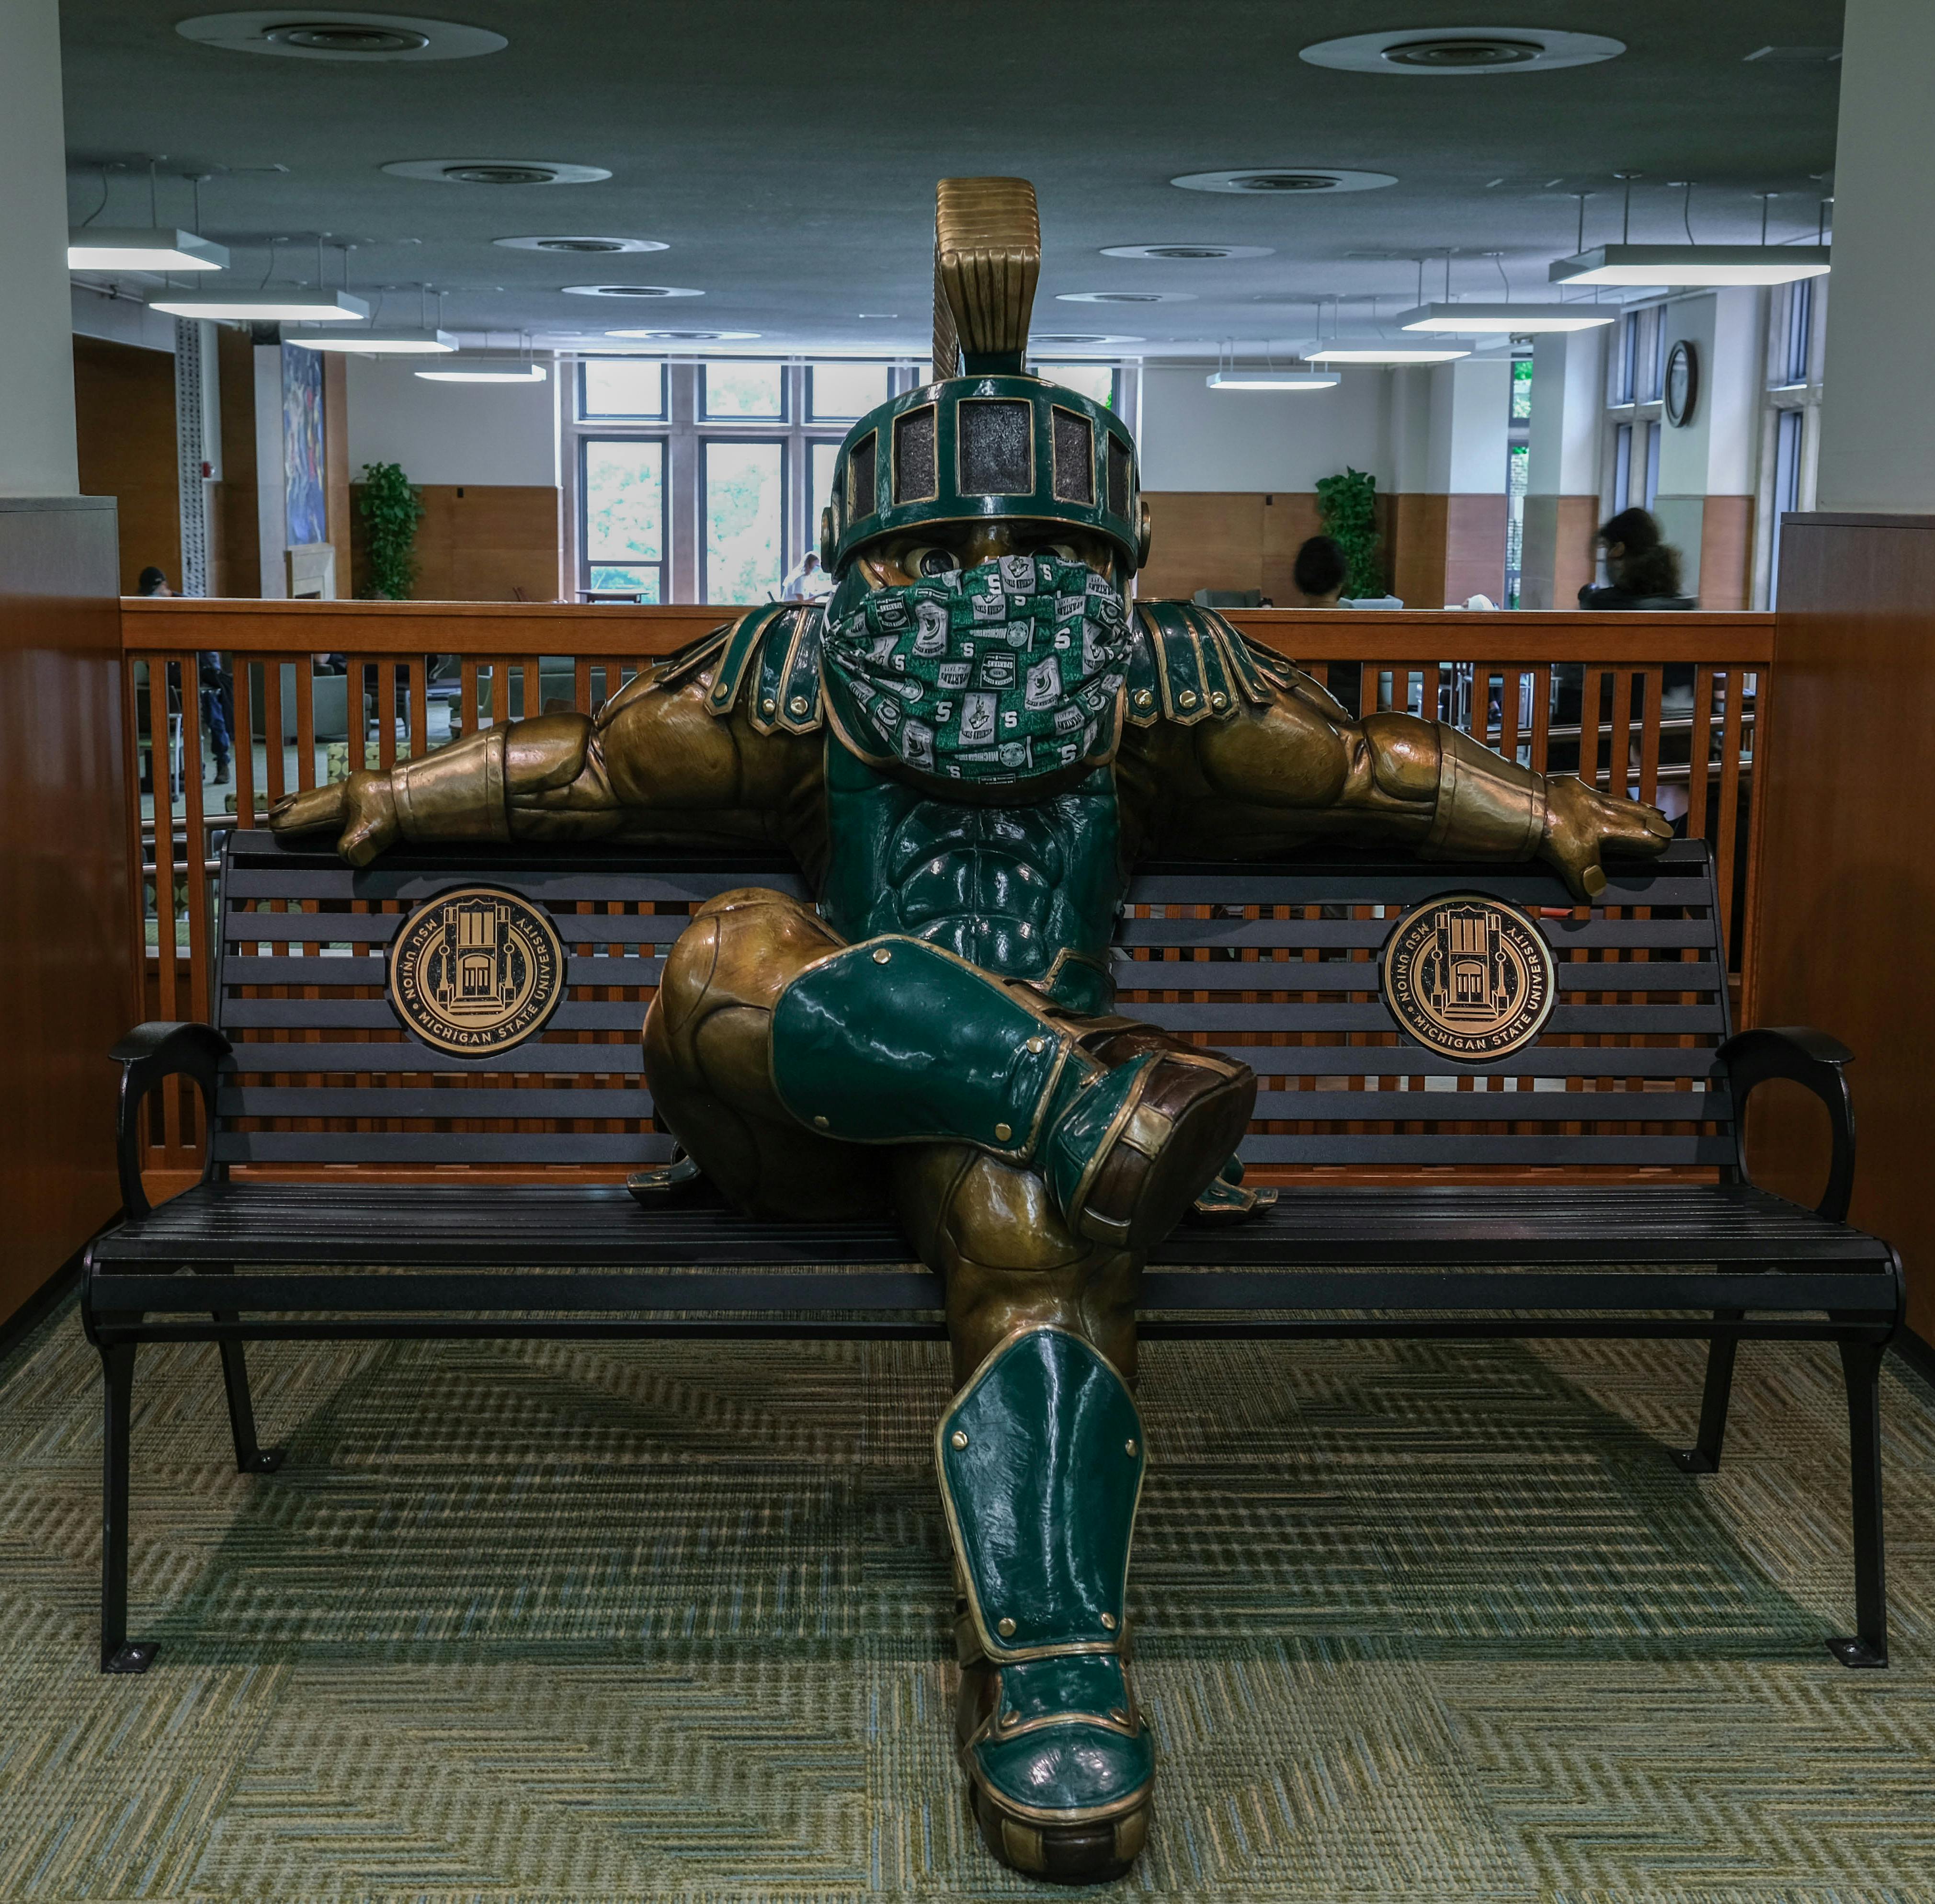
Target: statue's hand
{"x":363,"y":806}
{"x":1581,"y":823}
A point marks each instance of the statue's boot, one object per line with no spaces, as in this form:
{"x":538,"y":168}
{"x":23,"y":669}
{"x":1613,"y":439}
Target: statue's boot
{"x":895,"y":1041}
{"x":1041,"y":1464}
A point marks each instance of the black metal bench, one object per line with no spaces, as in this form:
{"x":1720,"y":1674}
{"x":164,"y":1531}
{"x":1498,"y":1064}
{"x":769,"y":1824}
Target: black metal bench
{"x":1591,"y":1185}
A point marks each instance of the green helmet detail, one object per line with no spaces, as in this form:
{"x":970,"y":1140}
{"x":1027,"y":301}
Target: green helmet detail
{"x":984,"y":449}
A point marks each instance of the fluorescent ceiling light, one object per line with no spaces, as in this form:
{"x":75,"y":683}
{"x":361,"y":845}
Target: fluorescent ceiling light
{"x":266,"y":306}
{"x":131,"y":248}
{"x":1511,"y":320}
{"x":376,"y":343}
{"x":1271,"y":380}
{"x":1692,"y":265}
{"x":1386,"y":354}
{"x":502,"y":373}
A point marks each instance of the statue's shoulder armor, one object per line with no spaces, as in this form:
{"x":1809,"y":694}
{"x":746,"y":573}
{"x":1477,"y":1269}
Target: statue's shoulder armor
{"x":766,"y":663}
{"x":1187,"y":664}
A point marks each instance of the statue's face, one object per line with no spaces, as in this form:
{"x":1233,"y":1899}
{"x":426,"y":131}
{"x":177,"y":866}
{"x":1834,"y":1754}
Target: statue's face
{"x":936,"y":547}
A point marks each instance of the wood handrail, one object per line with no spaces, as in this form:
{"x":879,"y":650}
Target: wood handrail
{"x":172,"y":625}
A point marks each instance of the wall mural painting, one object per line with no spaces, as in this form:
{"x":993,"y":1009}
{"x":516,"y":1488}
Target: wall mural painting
{"x":302,"y":446}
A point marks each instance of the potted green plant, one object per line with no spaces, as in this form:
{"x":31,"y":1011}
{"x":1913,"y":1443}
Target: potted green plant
{"x":1347,"y":507}
{"x":391,"y":506}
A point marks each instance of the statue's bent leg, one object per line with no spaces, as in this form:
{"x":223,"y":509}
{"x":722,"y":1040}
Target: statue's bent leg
{"x":895,"y":1041}
{"x":707,"y":1051}
{"x":1043,"y":1441}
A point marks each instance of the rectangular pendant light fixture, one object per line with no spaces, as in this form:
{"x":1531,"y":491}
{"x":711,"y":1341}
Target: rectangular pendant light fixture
{"x":1692,"y":266}
{"x":1508,"y":320}
{"x":1387,"y":354}
{"x":268,"y":305}
{"x":390,"y":342}
{"x":1272,"y":380}
{"x":131,"y":248}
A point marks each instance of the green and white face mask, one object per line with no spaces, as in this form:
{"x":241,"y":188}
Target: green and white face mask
{"x":1007,"y":673}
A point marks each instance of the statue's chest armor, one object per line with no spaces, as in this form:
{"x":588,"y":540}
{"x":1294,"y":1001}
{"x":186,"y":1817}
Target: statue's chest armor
{"x":1027,"y":890}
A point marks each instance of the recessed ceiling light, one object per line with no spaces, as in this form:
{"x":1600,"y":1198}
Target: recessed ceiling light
{"x":630,"y":291}
{"x":1688,"y":265}
{"x":1073,"y":339}
{"x":1126,"y":298}
{"x":1272,"y":380}
{"x":505,"y":373}
{"x":268,"y":305}
{"x":576,"y":246}
{"x":1186,"y":252}
{"x":1512,"y":320}
{"x":124,"y":248}
{"x":1384,"y":354}
{"x":390,"y":341}
{"x":497,"y":171}
{"x":326,"y":34}
{"x":688,"y":337}
{"x":1454,"y":52}
{"x":1284,"y":179}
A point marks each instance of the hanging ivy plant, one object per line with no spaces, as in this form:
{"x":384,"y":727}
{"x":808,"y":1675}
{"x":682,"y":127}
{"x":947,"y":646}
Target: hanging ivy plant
{"x":391,"y":506}
{"x":1347,"y":506}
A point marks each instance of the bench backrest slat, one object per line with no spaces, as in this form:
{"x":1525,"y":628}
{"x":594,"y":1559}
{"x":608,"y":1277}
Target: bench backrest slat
{"x":1277,"y":963}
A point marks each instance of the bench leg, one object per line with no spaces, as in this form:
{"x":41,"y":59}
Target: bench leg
{"x":119,"y":1654}
{"x":1860,"y":1363}
{"x":1703,"y":1457}
{"x":251,"y":1458}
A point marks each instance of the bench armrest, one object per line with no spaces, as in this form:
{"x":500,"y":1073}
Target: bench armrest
{"x":147,"y":1055}
{"x":1806,"y":1057}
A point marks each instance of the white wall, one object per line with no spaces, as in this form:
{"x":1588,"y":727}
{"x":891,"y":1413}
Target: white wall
{"x":120,"y":321}
{"x":1878,"y":408}
{"x":1195,"y":438}
{"x":1569,"y":404}
{"x":481,"y":433}
{"x":1714,"y":454}
{"x":38,"y":456}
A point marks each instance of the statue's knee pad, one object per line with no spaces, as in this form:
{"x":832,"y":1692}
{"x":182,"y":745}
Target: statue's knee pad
{"x":742,"y":949}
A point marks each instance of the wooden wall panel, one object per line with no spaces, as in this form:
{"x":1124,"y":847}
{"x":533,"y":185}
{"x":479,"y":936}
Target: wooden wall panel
{"x":1475,"y":549}
{"x":67,"y":931}
{"x":124,"y":399}
{"x":479,"y":542}
{"x":1559,"y":553}
{"x":235,"y":554}
{"x":1203,"y":538}
{"x":1417,"y":549}
{"x":336,"y":461}
{"x":1290,"y":520}
{"x":1844,"y":888}
{"x":1726,"y":551}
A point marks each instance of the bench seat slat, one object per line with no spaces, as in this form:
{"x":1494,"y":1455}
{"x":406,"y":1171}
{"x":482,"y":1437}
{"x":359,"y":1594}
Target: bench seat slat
{"x":1685,"y":1020}
{"x":339,"y":969}
{"x":1484,"y":1106}
{"x":1596,"y":934}
{"x":537,"y":1058}
{"x":455,"y":1101}
{"x":411,"y":1147}
{"x":1339,"y":975}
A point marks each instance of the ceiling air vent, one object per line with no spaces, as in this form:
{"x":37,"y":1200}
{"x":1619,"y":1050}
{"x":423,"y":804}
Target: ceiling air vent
{"x":630,"y":290}
{"x":497,"y":171}
{"x":1283,"y":178}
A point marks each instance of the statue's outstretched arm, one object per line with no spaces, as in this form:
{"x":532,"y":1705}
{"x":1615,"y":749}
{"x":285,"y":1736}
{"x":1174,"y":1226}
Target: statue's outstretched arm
{"x":1300,"y":769}
{"x":654,"y":765}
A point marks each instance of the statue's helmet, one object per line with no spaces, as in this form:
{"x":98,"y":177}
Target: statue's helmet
{"x":985,"y":442}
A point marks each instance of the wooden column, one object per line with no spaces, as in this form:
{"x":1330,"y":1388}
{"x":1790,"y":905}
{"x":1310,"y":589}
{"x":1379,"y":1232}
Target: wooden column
{"x":1845,"y":890}
{"x":67,"y":943}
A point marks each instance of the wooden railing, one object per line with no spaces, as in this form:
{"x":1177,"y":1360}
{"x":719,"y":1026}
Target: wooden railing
{"x":1661,"y":706}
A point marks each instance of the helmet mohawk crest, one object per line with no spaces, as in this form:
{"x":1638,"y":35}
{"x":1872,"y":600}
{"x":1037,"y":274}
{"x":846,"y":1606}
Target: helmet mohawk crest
{"x":987,"y":260}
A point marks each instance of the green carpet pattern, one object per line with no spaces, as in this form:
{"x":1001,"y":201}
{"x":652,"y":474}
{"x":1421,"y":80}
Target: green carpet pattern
{"x":529,"y":1623}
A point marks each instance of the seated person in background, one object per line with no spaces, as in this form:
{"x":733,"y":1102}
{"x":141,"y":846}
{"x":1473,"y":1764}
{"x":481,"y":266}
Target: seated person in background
{"x":1641,"y":571}
{"x":152,"y":581}
{"x":1319,"y":573}
{"x":807,"y":583}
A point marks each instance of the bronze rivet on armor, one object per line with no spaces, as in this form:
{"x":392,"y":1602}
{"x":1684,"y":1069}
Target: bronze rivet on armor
{"x":1129,"y":1447}
{"x":1187,"y":698}
{"x":797,"y":705}
{"x":1037,"y":1045}
{"x":819,"y":1123}
{"x":881,"y":955}
{"x":1219,"y":700}
{"x":1109,"y":1621}
{"x":768,"y":705}
{"x":1144,"y":699}
{"x":959,"y":1439}
{"x":1005,"y":1628}
{"x":1003,"y":1132}
{"x":1011,"y":1717}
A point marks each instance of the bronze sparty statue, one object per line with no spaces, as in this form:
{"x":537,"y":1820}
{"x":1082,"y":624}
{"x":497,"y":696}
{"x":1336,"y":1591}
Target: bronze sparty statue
{"x":966,"y":751}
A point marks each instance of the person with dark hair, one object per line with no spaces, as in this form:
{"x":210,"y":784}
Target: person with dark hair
{"x":152,"y":581}
{"x":1319,"y":573}
{"x":1642,"y":572}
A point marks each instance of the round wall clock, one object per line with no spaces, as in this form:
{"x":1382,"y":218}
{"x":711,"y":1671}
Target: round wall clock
{"x":1682,"y":383}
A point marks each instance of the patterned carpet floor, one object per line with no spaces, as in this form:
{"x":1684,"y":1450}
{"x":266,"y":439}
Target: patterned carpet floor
{"x":538,"y":1624}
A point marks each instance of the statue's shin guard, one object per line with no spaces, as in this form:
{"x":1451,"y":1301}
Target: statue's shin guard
{"x":1041,"y":1465}
{"x":895,"y":1041}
